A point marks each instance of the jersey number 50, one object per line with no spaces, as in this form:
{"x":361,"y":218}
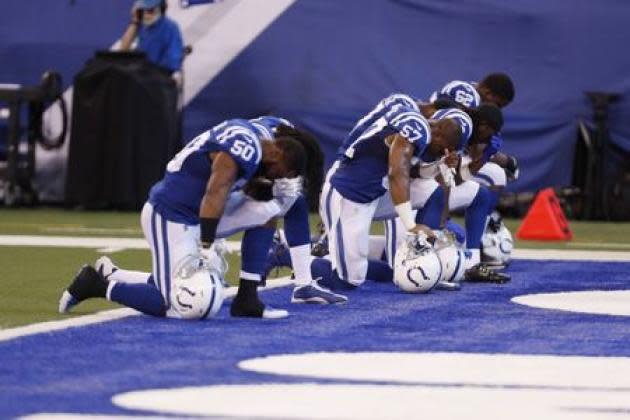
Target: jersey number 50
{"x":242,"y":149}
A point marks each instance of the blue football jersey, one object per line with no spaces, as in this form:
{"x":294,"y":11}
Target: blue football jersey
{"x":266,"y":126}
{"x":463,"y":93}
{"x":371,"y":117}
{"x":178,"y":195}
{"x":364,"y":156}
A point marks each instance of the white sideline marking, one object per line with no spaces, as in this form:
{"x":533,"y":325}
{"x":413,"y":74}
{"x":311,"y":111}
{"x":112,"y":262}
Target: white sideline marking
{"x":73,"y":241}
{"x":571,"y":255}
{"x":614,"y":245}
{"x":92,"y":230}
{"x":109,"y":250}
{"x":105,"y":316}
{"x":112,"y":242}
{"x":75,"y":416}
{"x":50,"y":326}
{"x":106,"y":243}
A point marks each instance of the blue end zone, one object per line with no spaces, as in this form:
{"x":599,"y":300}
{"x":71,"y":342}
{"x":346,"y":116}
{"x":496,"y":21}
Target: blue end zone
{"x":80,"y":369}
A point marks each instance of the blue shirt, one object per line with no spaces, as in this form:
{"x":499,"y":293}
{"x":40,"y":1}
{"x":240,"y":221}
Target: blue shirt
{"x":364,"y":156}
{"x":162,"y":43}
{"x":177,"y":197}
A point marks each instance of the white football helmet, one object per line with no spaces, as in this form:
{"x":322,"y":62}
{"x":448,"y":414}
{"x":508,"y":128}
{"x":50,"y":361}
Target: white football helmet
{"x":216,"y":256}
{"x":197,"y":289}
{"x":452,"y":258}
{"x":497,"y":243}
{"x":417,"y":268}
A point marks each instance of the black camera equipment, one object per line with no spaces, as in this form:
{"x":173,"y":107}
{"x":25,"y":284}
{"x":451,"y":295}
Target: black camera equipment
{"x":595,"y":165}
{"x":18,"y":166}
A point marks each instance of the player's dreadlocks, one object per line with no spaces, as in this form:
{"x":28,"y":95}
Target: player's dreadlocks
{"x":314,"y":173}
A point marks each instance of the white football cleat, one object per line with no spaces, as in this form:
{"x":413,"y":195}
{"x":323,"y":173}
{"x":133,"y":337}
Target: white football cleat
{"x":105,"y":267}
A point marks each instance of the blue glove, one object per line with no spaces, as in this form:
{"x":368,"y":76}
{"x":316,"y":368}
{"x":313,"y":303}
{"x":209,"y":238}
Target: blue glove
{"x":493,"y":147}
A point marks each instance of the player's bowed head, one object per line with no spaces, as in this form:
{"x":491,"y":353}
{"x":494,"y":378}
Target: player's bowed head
{"x":496,"y":88}
{"x":283,"y":157}
{"x":445,"y":135}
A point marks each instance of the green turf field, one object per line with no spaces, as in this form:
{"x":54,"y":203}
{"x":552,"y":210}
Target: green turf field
{"x":32,"y":278}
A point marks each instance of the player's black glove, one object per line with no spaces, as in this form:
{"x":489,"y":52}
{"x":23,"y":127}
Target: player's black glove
{"x":511,"y":169}
{"x":414,"y":171}
{"x":259,"y":189}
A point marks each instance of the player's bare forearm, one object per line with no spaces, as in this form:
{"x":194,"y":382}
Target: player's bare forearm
{"x":224,"y":172}
{"x":400,"y":153}
{"x":476,"y":155}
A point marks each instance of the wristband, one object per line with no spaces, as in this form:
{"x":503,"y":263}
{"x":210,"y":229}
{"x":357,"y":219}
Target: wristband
{"x":406,"y":215}
{"x":208,"y":230}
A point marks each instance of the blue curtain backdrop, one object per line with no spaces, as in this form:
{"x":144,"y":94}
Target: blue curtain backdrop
{"x":324,"y":63}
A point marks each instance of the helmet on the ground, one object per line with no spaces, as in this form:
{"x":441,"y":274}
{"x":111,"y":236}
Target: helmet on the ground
{"x":197,"y":289}
{"x":497,"y":243}
{"x":452,"y":259}
{"x":417,"y":268}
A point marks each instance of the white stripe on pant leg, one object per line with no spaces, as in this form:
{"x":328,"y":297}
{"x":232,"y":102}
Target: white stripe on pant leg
{"x":393,"y":238}
{"x":157,"y":231}
{"x":166,"y":273}
{"x":323,"y":207}
{"x":335,"y":245}
{"x":387,"y":239}
{"x":330,"y":220}
{"x":145,"y":221}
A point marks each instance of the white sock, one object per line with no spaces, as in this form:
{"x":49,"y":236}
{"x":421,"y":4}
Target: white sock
{"x":110,"y":286}
{"x":301,"y":262}
{"x":475,"y":258}
{"x":246,"y":275}
{"x":129,"y":276}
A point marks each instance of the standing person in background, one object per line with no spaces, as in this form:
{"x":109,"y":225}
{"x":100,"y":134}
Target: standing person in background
{"x":157,"y":35}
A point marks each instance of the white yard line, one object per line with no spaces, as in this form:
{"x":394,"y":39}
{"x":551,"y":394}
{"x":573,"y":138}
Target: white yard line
{"x":105,"y":243}
{"x":118,"y":243}
{"x":598,"y":245}
{"x":68,"y":230}
{"x":570,"y":254}
{"x":104,"y":316}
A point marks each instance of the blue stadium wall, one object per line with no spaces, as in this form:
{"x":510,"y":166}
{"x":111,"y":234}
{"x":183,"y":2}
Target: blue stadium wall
{"x":324,"y":63}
